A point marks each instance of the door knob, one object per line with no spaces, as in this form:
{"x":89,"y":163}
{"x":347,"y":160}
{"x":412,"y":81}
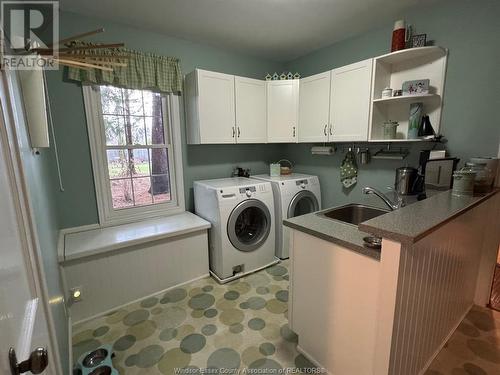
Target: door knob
{"x":36,"y":363}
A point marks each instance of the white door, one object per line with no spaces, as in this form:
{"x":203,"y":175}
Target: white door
{"x":251,"y":119}
{"x":216,"y":95}
{"x":314,"y":108}
{"x":23,"y":324}
{"x":282,"y":110}
{"x":350,"y":102}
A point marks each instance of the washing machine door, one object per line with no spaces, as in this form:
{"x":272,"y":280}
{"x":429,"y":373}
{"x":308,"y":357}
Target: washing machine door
{"x":249,"y":225}
{"x":304,"y":202}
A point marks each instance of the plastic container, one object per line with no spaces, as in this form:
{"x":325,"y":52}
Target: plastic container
{"x":274,"y":169}
{"x":484,"y":178}
{"x":390,"y":129}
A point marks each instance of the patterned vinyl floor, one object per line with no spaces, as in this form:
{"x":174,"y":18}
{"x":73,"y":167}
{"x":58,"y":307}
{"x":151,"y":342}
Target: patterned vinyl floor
{"x":474,"y":348}
{"x":243,"y":324}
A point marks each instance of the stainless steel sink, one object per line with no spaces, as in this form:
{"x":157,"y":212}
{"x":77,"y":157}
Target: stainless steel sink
{"x":353,"y":213}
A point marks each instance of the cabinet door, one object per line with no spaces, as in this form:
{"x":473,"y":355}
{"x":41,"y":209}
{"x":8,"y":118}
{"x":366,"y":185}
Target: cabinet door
{"x":350,"y":102}
{"x":251,"y":118}
{"x":282,"y":110}
{"x":216,"y":106}
{"x":314,"y":108}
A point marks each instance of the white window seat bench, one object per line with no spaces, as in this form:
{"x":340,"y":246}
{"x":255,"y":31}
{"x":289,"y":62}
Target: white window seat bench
{"x":95,"y":241}
{"x":114,"y":266}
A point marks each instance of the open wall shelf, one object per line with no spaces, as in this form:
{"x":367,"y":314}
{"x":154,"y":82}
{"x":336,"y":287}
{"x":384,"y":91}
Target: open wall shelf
{"x":408,"y":98}
{"x":392,"y":70}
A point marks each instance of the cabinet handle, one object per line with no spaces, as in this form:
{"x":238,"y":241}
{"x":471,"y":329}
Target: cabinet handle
{"x":324,"y":130}
{"x":331,"y":129}
{"x":294,"y":131}
{"x":233,"y":131}
{"x":239,"y":132}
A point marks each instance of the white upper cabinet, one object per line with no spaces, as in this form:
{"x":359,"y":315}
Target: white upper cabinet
{"x":250,"y":99}
{"x":282,"y":111}
{"x":210,"y":107}
{"x":350,"y":102}
{"x":314,"y":108}
{"x":341,"y":105}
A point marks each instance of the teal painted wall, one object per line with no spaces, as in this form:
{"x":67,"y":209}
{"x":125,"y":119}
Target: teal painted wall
{"x":41,"y":181}
{"x":470,"y":30}
{"x":77,"y":204}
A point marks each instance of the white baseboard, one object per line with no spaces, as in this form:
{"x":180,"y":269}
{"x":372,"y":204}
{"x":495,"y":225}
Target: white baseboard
{"x":440,"y":347}
{"x":313,"y":360}
{"x":140,"y":299}
{"x":239,"y":275}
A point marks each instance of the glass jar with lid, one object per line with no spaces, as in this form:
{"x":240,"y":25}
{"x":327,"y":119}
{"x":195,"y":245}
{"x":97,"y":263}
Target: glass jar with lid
{"x":484,"y":176}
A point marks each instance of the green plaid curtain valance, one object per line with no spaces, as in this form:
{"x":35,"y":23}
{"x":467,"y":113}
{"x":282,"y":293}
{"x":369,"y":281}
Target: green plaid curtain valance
{"x":143,"y":71}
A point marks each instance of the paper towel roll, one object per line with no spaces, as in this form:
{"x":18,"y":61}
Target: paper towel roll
{"x":33,"y":93}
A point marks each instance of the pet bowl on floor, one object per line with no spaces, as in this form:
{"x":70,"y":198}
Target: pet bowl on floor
{"x":102,"y":370}
{"x":95,"y":358}
{"x":97,"y":362}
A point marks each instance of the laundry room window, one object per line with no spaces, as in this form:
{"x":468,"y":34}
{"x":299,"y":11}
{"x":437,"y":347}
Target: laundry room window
{"x":134,"y":152}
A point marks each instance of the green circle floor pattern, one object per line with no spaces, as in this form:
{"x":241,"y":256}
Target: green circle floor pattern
{"x":241,"y":324}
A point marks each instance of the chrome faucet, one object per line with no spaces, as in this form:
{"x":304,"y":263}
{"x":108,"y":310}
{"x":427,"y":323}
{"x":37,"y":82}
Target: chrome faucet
{"x":392,"y":205}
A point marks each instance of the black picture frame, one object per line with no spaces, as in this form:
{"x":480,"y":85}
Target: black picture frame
{"x":418,"y":40}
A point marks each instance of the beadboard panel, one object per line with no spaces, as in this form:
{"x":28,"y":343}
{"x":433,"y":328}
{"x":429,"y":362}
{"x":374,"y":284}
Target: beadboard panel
{"x":437,"y":281}
{"x":119,"y":277}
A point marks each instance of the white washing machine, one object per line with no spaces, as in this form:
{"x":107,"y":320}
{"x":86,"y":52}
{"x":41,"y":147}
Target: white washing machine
{"x":294,"y":195}
{"x":242,"y":236}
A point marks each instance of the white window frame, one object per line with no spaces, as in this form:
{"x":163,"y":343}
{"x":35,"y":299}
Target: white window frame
{"x":97,"y":139}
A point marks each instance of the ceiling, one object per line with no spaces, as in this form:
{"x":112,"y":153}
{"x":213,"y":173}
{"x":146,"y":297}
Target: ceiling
{"x":279,"y":30}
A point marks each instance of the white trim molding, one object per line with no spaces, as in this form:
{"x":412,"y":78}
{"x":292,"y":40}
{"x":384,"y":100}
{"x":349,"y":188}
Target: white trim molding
{"x":107,"y":215}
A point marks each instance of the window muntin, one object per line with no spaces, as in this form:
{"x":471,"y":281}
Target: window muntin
{"x":136,"y":147}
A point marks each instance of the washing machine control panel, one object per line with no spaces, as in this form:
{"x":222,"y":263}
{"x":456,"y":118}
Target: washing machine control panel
{"x":302,"y":183}
{"x":248,"y":190}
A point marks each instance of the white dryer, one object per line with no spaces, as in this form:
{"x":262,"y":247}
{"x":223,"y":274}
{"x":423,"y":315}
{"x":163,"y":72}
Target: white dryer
{"x":294,"y":195}
{"x":242,"y":236}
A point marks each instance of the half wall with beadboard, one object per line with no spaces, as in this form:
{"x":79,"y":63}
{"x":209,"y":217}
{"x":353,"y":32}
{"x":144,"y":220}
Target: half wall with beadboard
{"x":437,"y":286}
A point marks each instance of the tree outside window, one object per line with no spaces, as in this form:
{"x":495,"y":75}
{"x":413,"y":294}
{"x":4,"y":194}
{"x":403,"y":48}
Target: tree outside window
{"x":137,"y":147}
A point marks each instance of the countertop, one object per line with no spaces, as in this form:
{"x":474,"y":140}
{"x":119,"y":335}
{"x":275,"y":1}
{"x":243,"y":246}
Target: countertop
{"x":406,"y":225}
{"x":409,"y":224}
{"x":343,"y":234}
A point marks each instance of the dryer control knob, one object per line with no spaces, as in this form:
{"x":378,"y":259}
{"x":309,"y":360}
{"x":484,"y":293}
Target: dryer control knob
{"x":303,"y":186}
{"x":249,"y":193}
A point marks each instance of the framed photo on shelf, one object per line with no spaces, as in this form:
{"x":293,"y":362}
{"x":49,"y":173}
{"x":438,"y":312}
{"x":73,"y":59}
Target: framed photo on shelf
{"x":418,"y":40}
